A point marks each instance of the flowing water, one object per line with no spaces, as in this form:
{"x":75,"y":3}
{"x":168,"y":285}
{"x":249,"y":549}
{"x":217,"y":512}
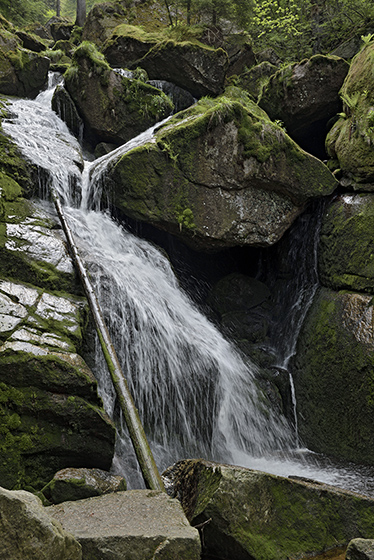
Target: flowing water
{"x":195,"y":395}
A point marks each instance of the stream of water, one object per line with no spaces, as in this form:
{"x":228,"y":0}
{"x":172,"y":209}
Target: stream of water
{"x":195,"y":395}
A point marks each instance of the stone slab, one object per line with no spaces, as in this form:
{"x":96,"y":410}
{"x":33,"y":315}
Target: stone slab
{"x":132,"y":525}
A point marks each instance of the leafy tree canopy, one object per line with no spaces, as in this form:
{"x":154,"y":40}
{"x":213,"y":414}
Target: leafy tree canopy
{"x":293,"y":28}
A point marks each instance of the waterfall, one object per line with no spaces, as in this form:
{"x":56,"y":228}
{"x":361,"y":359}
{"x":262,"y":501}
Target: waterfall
{"x":294,"y":292}
{"x":195,"y":395}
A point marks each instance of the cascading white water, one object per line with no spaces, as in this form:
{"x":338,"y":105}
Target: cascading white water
{"x":195,"y":395}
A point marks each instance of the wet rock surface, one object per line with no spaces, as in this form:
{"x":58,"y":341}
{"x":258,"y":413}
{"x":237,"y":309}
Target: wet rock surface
{"x":138,"y":524}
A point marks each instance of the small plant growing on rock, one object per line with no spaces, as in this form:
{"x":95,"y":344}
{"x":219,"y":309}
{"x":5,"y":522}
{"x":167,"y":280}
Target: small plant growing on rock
{"x":185,"y":218}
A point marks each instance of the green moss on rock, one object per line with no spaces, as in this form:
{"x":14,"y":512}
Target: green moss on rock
{"x":346,"y":254}
{"x":219,"y":161}
{"x":351,"y":139}
{"x":333,"y":375}
{"x":257,"y":515}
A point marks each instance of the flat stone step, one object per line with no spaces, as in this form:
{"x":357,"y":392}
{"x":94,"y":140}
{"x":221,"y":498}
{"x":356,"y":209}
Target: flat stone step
{"x":131,"y":525}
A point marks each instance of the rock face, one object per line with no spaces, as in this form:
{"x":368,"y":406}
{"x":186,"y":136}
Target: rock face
{"x":258,"y":516}
{"x":346,"y":246}
{"x":241,"y":303}
{"x":136,"y":524}
{"x":77,"y":484}
{"x":64,"y":107}
{"x":51,"y":416}
{"x":27,"y":531}
{"x":195,"y":67}
{"x":219,"y":174}
{"x":113,"y":108}
{"x":305,"y":95}
{"x":333,"y":376}
{"x":360,"y":549}
{"x":350,"y":140}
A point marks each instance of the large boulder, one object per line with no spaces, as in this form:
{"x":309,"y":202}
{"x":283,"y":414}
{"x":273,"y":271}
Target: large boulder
{"x":304,"y":96}
{"x":27,"y":531}
{"x":333,"y":376}
{"x":31,"y":42}
{"x":114,"y":108}
{"x":350,"y":140}
{"x":219,"y":174}
{"x":346,"y":243}
{"x":251,"y":515}
{"x":102,"y":20}
{"x":193,"y":66}
{"x":136,"y":524}
{"x":23,"y":73}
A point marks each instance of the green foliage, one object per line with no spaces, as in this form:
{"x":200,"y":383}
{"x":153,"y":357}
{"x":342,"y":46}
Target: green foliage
{"x":283,"y":25}
{"x":366,"y":39}
{"x":185,"y":218}
{"x":21,"y":12}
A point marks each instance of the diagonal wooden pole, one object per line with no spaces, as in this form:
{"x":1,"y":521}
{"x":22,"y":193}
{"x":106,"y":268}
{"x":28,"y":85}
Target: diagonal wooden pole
{"x":143,"y":452}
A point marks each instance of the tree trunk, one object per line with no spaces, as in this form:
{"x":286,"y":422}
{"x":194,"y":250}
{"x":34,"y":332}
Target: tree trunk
{"x":81,"y":13}
{"x":58,"y":8}
{"x":142,"y":450}
{"x":188,"y":12}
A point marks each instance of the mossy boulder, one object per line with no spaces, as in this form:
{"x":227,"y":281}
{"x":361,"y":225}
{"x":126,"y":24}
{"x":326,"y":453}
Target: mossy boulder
{"x":350,"y":141}
{"x":9,"y":41}
{"x":102,"y":20}
{"x":346,"y":252}
{"x":254,"y":80}
{"x":257,"y":516}
{"x":76,"y":484}
{"x":60,"y":28}
{"x":128,"y":44}
{"x":333,"y":376}
{"x":305,"y":95}
{"x":219,"y":174}
{"x":23,"y":73}
{"x":113,"y":108}
{"x":31,"y":42}
{"x":27,"y":531}
{"x":193,"y":66}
